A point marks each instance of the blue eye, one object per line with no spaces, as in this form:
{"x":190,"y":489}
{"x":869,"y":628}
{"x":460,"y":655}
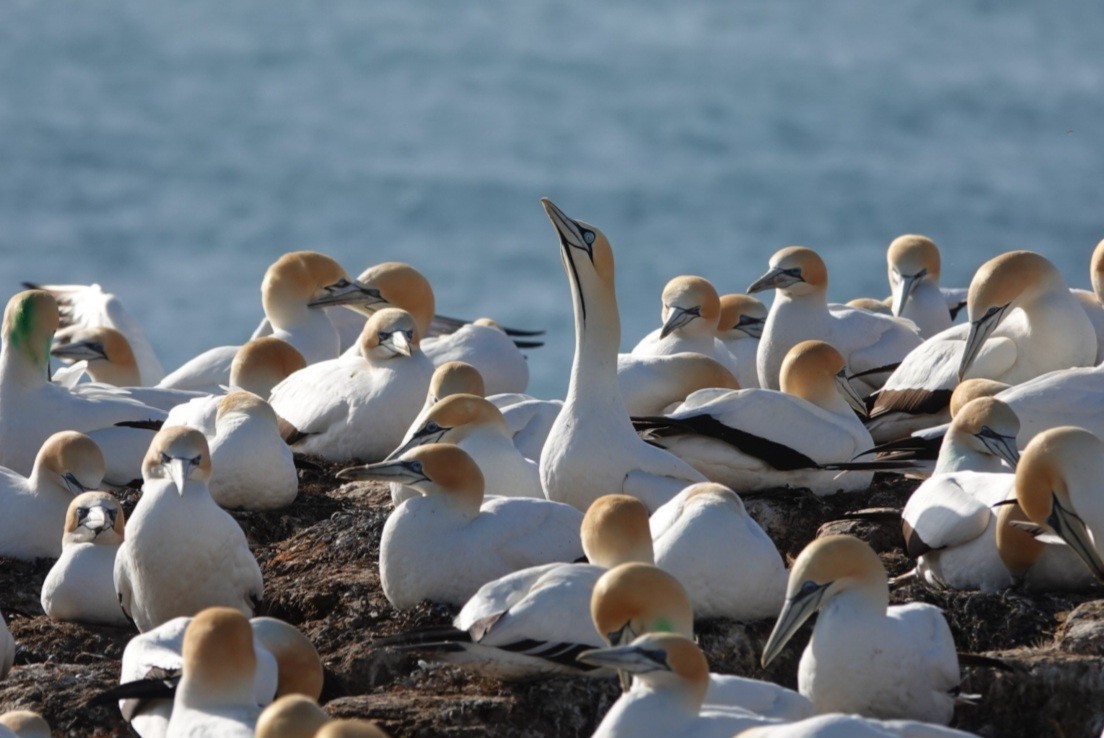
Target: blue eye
{"x":416,"y":466}
{"x":589,"y":237}
{"x":432,"y":427}
{"x":809,"y":587}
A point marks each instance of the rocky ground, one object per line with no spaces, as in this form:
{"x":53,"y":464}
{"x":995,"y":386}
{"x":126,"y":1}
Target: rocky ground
{"x":319,"y":562}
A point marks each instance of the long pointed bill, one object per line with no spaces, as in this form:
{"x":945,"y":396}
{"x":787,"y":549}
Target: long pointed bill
{"x":843,"y":384}
{"x":678,"y":317}
{"x":73,"y":484}
{"x":178,"y":472}
{"x":753,"y":327}
{"x":1073,"y":531}
{"x":632,"y":659}
{"x":400,"y":343}
{"x":422,"y":437}
{"x":906,"y":285}
{"x":1000,"y":445}
{"x":79,"y":350}
{"x":777,"y":277}
{"x":403,"y":472}
{"x":796,"y":611}
{"x":980,"y":330}
{"x":97,"y":519}
{"x":350,"y":293}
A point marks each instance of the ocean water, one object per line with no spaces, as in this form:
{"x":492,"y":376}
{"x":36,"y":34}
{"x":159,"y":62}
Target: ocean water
{"x":171,"y":151}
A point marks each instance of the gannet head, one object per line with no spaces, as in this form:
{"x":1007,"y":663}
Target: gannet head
{"x":107,"y":351}
{"x":615,"y":531}
{"x":433,"y":469}
{"x":659,"y":660}
{"x":741,"y":316}
{"x":688,"y":371}
{"x":94,"y":517}
{"x":178,"y":453}
{"x":1017,"y":546}
{"x":870,"y":305}
{"x":298,"y":280}
{"x":636,"y":598}
{"x":351,"y":728}
{"x":586,"y":254}
{"x":826,"y":567}
{"x":218,"y":657}
{"x":796,"y":270}
{"x":73,"y":460}
{"x":686,"y":299}
{"x":291,"y":716}
{"x":911,"y":259}
{"x":26,"y":724}
{"x":263,"y":363}
{"x":299,"y":667}
{"x":971,"y":389}
{"x":452,"y":419}
{"x":30,"y":320}
{"x":240,"y":402}
{"x":390,"y":332}
{"x":817,"y":372}
{"x":395,"y":284}
{"x":1006,"y":281}
{"x":1055,"y":462}
{"x":990,"y":426}
{"x":455,"y":378}
{"x":1096,"y":271}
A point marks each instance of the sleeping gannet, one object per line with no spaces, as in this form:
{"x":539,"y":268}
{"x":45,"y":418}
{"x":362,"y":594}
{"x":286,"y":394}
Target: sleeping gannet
{"x":913,"y":264}
{"x":864,"y":656}
{"x":252,"y":467}
{"x":33,"y":509}
{"x":739,"y":328}
{"x":359,"y":408}
{"x":691,"y":309}
{"x":870,"y":305}
{"x":838,"y":725}
{"x":706,"y":539}
{"x":182,"y":552}
{"x":7,"y":648}
{"x":760,"y":439}
{"x":1023,"y":322}
{"x":32,"y":408}
{"x":592,"y":448}
{"x":80,"y":585}
{"x":448,"y":542}
{"x":652,"y":385}
{"x":25,"y":724}
{"x":262,"y":363}
{"x":291,"y":716}
{"x":871,"y":344}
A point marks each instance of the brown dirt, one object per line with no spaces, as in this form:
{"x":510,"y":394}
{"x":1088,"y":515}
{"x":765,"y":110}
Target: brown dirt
{"x":319,"y":561}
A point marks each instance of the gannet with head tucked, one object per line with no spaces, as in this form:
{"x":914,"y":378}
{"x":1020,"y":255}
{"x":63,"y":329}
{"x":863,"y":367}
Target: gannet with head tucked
{"x":1023,"y":322}
{"x":25,"y":724}
{"x":446,"y":543}
{"x":182,"y":552}
{"x":291,"y":716}
{"x":739,"y":328}
{"x":32,"y":408}
{"x":730,"y":567}
{"x":33,"y":509}
{"x":760,"y":438}
{"x":690,"y":311}
{"x":80,"y":585}
{"x":864,"y":656}
{"x":359,"y":408}
{"x":913,"y":264}
{"x":262,"y":363}
{"x":1037,"y":565}
{"x":592,"y":448}
{"x":871,"y":344}
{"x":653,"y":385}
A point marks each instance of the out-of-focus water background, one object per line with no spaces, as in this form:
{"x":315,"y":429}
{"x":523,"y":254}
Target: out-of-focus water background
{"x":171,"y":151}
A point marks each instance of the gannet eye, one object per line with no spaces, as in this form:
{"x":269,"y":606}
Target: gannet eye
{"x":432,"y":427}
{"x":165,"y":458}
{"x":341,"y":283}
{"x":384,"y":335}
{"x":416,"y":467}
{"x":588,"y":236}
{"x":196,"y":459}
{"x":809,"y":587}
{"x":82,"y":513}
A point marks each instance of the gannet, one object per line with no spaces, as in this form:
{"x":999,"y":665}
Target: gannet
{"x":351,"y":728}
{"x":760,"y":438}
{"x":690,"y":311}
{"x":870,"y":304}
{"x":1091,"y":301}
{"x":1061,"y":397}
{"x":1023,"y":322}
{"x":871,"y":344}
{"x":706,"y":539}
{"x":592,"y":448}
{"x":1057,"y":485}
{"x":1037,"y":565}
{"x":26,"y":724}
{"x":652,"y":385}
{"x":477,"y":426}
{"x":32,"y":408}
{"x":864,"y":656}
{"x":670,"y":679}
{"x":913,"y":265}
{"x":252,"y":467}
{"x":33,"y":509}
{"x":536,"y":620}
{"x":291,"y":716}
{"x":88,"y":306}
{"x":80,"y":586}
{"x":7,"y":648}
{"x":838,"y":725}
{"x":262,"y":363}
{"x":739,"y":328}
{"x":359,"y":408}
{"x":530,"y":420}
{"x":445,"y":544}
{"x":182,"y":552}
{"x":981,"y":437}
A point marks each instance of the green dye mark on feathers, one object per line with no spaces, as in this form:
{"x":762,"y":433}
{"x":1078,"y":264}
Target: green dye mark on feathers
{"x":22,"y":330}
{"x":663,"y":625}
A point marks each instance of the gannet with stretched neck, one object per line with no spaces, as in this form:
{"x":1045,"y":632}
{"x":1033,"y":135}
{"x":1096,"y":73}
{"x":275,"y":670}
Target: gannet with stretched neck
{"x":448,"y":542}
{"x":592,"y":448}
{"x":913,"y":264}
{"x":739,"y":328}
{"x":691,"y":309}
{"x":864,"y":656}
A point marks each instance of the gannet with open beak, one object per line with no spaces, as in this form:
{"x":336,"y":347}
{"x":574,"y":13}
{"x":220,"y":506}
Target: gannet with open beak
{"x":182,"y":552}
{"x":691,"y":309}
{"x":759,"y":438}
{"x":291,"y":716}
{"x":730,"y":567}
{"x":739,"y":328}
{"x":446,"y":543}
{"x":864,"y":656}
{"x":80,"y":585}
{"x":653,"y":385}
{"x":871,"y":344}
{"x":1023,"y":322}
{"x":592,"y":448}
{"x":1037,"y":565}
{"x":33,"y":509}
{"x":7,"y":648}
{"x":913,"y":264}
{"x":347,"y":409}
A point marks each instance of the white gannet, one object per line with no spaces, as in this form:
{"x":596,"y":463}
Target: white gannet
{"x":215,"y":693}
{"x":760,"y":439}
{"x":870,"y":305}
{"x":652,"y":385}
{"x":706,"y":539}
{"x":7,"y":648}
{"x":1057,"y":485}
{"x":477,"y":426}
{"x":88,"y":306}
{"x":182,"y":551}
{"x":252,"y":467}
{"x":32,"y":408}
{"x":690,"y":311}
{"x":291,"y":716}
{"x":262,"y":363}
{"x":838,"y":725}
{"x":864,"y":656}
{"x":739,"y":328}
{"x":447,"y":543}
{"x":80,"y":586}
{"x":1092,"y":300}
{"x":913,"y":265}
{"x":981,"y":437}
{"x":33,"y":509}
{"x":871,"y":344}
{"x":670,"y":679}
{"x":530,"y":420}
{"x":592,"y":448}
{"x":1062,"y":397}
{"x":359,"y":408}
{"x":1023,"y":322}
{"x":25,"y":724}
{"x":1037,"y":565}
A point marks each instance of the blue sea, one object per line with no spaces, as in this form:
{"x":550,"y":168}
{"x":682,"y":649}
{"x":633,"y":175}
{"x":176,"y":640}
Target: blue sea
{"x":171,"y":151}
